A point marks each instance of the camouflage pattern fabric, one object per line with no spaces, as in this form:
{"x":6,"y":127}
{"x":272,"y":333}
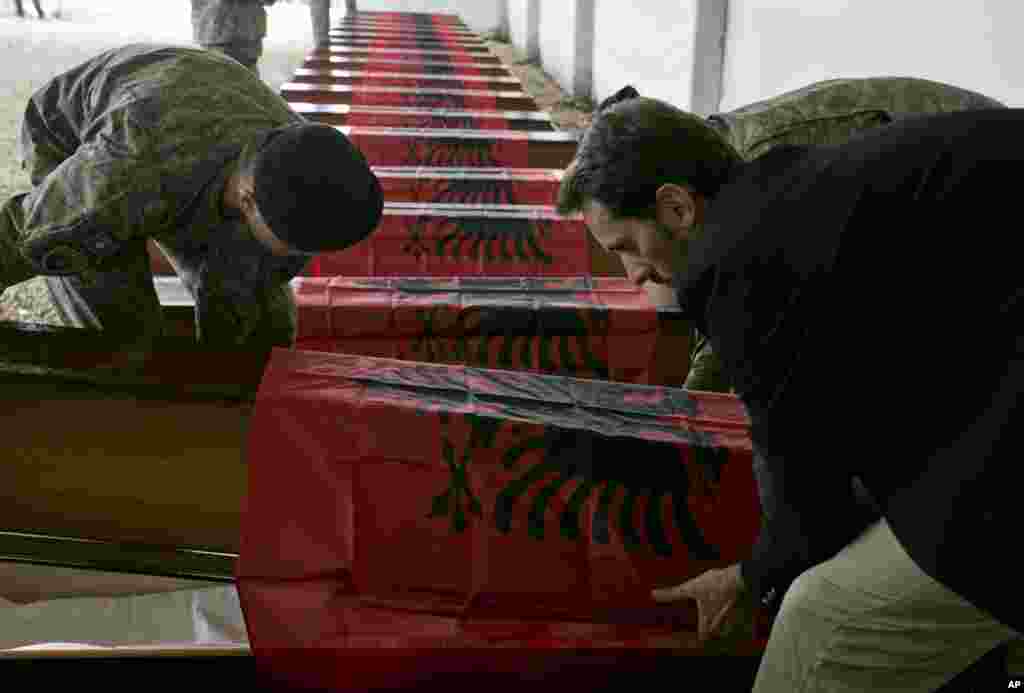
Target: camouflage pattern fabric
{"x":832,"y":111}
{"x":137,"y":144}
{"x":828,"y":112}
{"x":29,"y":302}
{"x":706,"y":370}
{"x":233,"y":27}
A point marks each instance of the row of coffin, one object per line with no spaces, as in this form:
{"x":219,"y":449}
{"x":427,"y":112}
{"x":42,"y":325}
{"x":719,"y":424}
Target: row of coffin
{"x":469,"y":165}
{"x":470,"y":268}
{"x":481,"y":245}
{"x":578,"y":326}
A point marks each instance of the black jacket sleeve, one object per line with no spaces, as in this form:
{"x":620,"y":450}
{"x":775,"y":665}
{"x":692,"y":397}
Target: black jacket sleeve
{"x":758,"y":286}
{"x":809,"y":511}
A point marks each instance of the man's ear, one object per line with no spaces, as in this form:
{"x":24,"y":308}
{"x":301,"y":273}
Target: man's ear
{"x":678,"y":209}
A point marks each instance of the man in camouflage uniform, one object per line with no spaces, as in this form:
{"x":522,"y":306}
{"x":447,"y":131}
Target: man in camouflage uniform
{"x":233,"y":27}
{"x":828,"y":112}
{"x":190,"y":149}
{"x":320,"y":11}
{"x":647,"y":176}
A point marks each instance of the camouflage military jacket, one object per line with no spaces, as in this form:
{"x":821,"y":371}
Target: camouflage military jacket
{"x":220,"y":22}
{"x":827,"y":112}
{"x":831,"y":112}
{"x":136,"y":143}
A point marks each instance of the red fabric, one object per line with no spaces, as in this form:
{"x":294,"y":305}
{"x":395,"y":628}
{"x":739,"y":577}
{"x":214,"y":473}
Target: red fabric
{"x":439,"y":55}
{"x":364,"y":79}
{"x":384,"y":148}
{"x":345,"y":547}
{"x":410,"y":66}
{"x":421,"y":243}
{"x":585,"y":327}
{"x":526,"y":188}
{"x":416,"y":120}
{"x":408,"y":19}
{"x":411,"y":42}
{"x":449,"y":39}
{"x":475,"y":100}
{"x":406,"y":25}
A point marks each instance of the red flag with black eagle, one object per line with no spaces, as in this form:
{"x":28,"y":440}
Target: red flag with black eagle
{"x":406,"y":520}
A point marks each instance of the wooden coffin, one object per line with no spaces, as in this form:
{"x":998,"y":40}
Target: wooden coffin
{"x":428,"y":118}
{"x":399,"y":64}
{"x":410,"y":97}
{"x":407,"y":80}
{"x":124,"y":461}
{"x":445,"y":39}
{"x":435,"y":55}
{"x":360,"y":467}
{"x":406,"y":19}
{"x":604,"y":328}
{"x":593,"y":327}
{"x":406,"y":28}
{"x":444,"y":240}
{"x":403,"y":43}
{"x":440,"y":147}
{"x":469,"y":185}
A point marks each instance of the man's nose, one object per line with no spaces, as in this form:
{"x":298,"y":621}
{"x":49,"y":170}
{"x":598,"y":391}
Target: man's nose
{"x":638,"y":275}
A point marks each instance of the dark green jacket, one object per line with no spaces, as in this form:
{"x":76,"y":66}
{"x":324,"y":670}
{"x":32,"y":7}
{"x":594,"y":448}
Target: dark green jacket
{"x":137,"y":143}
{"x":828,"y":112}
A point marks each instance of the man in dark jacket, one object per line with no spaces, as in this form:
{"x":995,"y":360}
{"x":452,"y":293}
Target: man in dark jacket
{"x":828,"y":112}
{"x":786,"y":263}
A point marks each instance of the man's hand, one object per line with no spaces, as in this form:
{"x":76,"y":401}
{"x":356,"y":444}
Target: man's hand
{"x":718,"y":593}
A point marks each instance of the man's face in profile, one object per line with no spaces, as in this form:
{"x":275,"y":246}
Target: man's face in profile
{"x":649,"y":250}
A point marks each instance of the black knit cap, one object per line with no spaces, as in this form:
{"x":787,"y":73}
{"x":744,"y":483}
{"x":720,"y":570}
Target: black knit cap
{"x":315,"y":189}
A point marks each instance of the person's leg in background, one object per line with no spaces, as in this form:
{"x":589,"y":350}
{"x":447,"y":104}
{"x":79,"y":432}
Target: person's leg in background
{"x":233,"y":28}
{"x":870,"y":619}
{"x":320,"y":13}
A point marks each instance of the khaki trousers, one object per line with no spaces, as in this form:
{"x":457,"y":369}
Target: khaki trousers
{"x":870,"y":620}
{"x":207,"y":616}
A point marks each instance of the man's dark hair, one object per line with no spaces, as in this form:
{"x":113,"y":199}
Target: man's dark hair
{"x":634,"y":146}
{"x":314,"y":188}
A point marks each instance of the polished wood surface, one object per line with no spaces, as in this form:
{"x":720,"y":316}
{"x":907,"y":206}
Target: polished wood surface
{"x":138,"y":452}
